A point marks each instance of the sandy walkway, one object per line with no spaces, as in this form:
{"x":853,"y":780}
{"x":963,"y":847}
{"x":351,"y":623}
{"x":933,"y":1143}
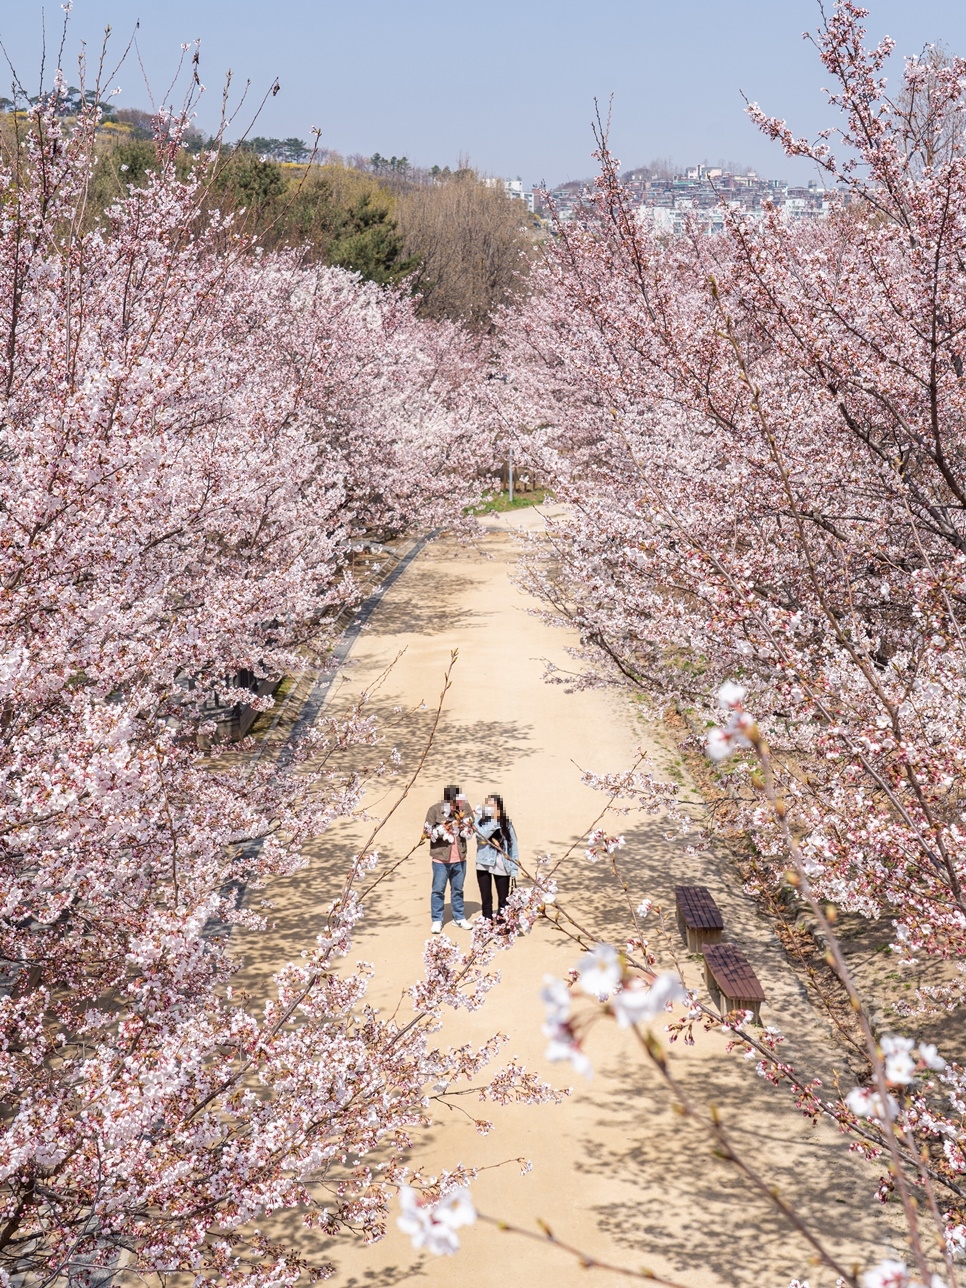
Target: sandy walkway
{"x":615,"y":1169}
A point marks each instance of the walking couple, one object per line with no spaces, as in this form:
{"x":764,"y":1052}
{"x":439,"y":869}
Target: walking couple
{"x":450,"y":825}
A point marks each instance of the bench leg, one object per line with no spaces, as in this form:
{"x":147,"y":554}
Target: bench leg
{"x":712,"y":988}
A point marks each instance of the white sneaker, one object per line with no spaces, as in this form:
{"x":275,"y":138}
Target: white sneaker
{"x":464,"y":924}
{"x":436,"y":927}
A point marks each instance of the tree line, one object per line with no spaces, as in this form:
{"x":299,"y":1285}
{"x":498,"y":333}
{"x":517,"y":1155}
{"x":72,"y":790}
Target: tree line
{"x":757,"y":437}
{"x":194,"y":437}
{"x":451,"y":235}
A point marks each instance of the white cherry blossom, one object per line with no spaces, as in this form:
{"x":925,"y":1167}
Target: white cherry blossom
{"x":600,"y":971}
{"x":433,"y":1225}
{"x":900,"y":1066}
{"x":731,"y":695}
{"x":555,"y":996}
{"x":636,"y":1002}
{"x":564,"y":1046}
{"x":930,"y":1057}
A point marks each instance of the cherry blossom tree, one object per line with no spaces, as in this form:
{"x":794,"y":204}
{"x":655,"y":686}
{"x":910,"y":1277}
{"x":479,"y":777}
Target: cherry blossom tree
{"x":193,"y":434}
{"x":758,"y":434}
{"x":758,"y":438}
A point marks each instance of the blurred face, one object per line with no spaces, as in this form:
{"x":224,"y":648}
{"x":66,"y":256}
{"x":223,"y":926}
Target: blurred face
{"x":492,"y":809}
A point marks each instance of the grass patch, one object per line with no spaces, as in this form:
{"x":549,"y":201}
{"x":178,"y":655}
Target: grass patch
{"x":500,"y":503}
{"x":263,"y":720}
{"x":284,"y":689}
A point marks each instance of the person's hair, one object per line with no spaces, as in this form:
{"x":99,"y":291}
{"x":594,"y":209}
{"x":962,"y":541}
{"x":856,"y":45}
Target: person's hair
{"x":505,"y":823}
{"x":450,"y":793}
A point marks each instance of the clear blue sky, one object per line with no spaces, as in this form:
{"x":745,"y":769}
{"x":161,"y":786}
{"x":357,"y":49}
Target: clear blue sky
{"x":508,"y":83}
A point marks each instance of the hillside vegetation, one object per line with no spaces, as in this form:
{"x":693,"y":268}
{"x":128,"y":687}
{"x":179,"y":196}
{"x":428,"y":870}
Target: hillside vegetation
{"x":454,"y":237}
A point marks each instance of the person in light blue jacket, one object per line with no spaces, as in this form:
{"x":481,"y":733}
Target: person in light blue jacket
{"x":497,"y":854}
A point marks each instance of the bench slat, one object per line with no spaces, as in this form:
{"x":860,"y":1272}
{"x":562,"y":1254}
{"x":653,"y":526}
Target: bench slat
{"x":697,"y":908}
{"x":733,"y":973}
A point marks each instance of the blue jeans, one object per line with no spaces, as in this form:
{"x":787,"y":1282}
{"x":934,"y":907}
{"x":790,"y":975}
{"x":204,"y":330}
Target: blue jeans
{"x":455,"y":874}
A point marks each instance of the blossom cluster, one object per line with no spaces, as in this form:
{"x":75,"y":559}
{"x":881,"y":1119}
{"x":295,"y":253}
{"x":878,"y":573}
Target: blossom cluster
{"x":195,"y":437}
{"x":601,"y":974}
{"x":740,"y":726}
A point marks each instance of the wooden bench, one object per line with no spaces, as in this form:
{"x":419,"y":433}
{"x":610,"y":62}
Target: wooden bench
{"x":699,"y":918}
{"x":732,"y":983}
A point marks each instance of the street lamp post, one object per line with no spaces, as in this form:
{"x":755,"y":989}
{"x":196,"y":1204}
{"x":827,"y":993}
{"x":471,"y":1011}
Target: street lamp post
{"x":501,"y":375}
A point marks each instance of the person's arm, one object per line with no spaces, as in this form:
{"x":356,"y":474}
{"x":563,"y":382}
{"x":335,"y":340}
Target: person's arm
{"x":431,"y":824}
{"x":514,"y":849}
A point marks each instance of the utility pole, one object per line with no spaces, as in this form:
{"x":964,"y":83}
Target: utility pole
{"x":510,"y":474}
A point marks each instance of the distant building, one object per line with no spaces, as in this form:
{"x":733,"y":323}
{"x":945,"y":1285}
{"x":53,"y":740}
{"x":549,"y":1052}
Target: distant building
{"x":514,"y":188}
{"x":704,"y":196}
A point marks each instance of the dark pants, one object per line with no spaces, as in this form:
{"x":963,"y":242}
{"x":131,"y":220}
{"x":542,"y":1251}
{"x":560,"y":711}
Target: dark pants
{"x":486,"y":880}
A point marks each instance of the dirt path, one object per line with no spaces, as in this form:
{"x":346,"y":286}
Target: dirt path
{"x":615,"y":1169}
